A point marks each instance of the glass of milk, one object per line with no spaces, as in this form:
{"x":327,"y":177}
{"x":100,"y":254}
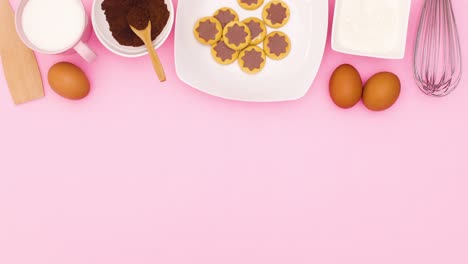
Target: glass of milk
{"x":54,"y":27}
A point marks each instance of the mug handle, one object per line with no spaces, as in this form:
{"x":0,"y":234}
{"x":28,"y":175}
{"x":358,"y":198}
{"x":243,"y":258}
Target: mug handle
{"x":85,"y":52}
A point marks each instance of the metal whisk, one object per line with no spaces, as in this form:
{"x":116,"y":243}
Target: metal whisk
{"x":437,"y":56}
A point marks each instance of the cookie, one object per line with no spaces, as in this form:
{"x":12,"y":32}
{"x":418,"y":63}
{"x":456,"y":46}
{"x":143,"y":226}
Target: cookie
{"x":252,"y":60}
{"x":277,"y":45}
{"x":276,"y":14}
{"x":257,"y":28}
{"x":208,"y":30}
{"x":226,"y":15}
{"x":223,"y":54}
{"x":250,"y":4}
{"x":236,"y":35}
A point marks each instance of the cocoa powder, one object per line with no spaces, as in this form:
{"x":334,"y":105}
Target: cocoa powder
{"x":116,"y":12}
{"x":138,"y":18}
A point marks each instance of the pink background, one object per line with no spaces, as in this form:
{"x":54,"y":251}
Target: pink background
{"x":146,"y":173}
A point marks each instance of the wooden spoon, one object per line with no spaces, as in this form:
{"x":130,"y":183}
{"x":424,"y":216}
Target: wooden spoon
{"x":19,"y":62}
{"x":135,"y":18}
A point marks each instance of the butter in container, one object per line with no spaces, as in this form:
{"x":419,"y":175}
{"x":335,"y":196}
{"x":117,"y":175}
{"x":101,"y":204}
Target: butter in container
{"x":372,"y":28}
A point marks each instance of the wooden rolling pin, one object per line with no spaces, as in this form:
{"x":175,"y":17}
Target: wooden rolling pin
{"x":19,"y":62}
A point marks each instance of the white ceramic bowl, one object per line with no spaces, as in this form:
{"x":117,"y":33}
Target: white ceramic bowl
{"x":101,"y":28}
{"x":372,"y":28}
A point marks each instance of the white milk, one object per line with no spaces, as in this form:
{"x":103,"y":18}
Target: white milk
{"x":372,"y":26}
{"x":53,"y":25}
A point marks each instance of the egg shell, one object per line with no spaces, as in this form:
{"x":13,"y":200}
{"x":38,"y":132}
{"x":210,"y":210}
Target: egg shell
{"x":381,"y":91}
{"x":346,"y":86}
{"x":69,"y":81}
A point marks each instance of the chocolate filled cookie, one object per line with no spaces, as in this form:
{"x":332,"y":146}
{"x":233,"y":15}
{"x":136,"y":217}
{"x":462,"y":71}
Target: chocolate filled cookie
{"x":226,"y":15}
{"x":250,"y":4}
{"x":208,"y":30}
{"x":276,"y":14}
{"x":223,"y":54}
{"x":236,"y":35}
{"x":277,"y":45}
{"x":252,"y":60}
{"x":257,"y":28}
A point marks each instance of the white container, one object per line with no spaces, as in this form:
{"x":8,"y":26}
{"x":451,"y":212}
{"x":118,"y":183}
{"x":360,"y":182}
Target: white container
{"x":103,"y":33}
{"x":372,"y":28}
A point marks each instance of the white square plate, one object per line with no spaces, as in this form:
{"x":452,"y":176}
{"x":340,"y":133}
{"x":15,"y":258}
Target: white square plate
{"x":373,"y":28}
{"x":284,"y":80}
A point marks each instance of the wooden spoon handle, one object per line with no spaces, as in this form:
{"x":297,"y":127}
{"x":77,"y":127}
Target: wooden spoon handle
{"x":155,"y":60}
{"x":19,"y":62}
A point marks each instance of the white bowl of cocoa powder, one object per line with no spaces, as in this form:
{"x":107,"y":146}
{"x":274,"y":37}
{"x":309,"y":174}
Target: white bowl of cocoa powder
{"x":109,"y":19}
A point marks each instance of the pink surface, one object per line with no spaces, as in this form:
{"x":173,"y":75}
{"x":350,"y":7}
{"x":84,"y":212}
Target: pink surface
{"x":146,"y":173}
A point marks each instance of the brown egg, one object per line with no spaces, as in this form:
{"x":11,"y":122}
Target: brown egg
{"x":68,"y":81}
{"x":345,"y":86}
{"x":381,"y":91}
